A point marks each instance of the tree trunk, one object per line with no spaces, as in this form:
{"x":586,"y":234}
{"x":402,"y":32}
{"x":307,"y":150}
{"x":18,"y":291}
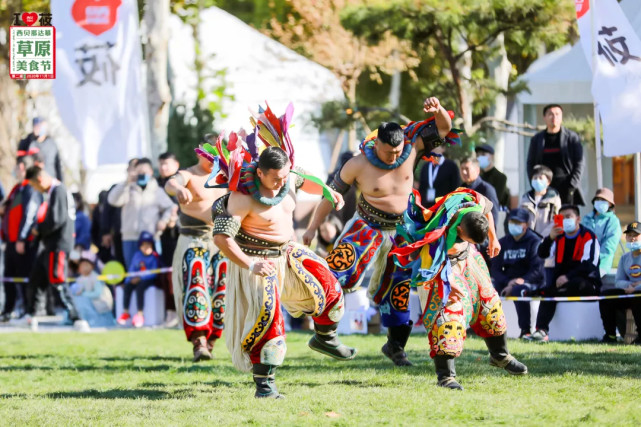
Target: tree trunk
{"x":12,"y":114}
{"x":464,"y":66}
{"x":499,"y":67}
{"x":351,"y":96}
{"x":156,"y":20}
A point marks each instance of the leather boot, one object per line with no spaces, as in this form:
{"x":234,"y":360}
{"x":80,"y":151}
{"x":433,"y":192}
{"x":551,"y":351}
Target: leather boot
{"x":265,"y":381}
{"x":201,"y":352}
{"x":501,"y":358}
{"x":325,"y":341}
{"x":446,"y":372}
{"x":210,"y":344}
{"x":394,"y":348}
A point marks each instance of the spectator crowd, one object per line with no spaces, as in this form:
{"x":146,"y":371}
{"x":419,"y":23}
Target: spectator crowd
{"x":548,"y":248}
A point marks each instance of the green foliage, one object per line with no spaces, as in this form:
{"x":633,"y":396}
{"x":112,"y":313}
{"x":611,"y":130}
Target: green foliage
{"x":186,"y":129}
{"x":584,"y":126}
{"x":146,"y":377}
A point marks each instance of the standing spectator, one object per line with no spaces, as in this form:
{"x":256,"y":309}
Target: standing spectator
{"x":110,"y":221}
{"x":491,"y":175}
{"x":607,"y":227}
{"x":83,"y":225}
{"x":104,"y":253}
{"x":54,"y":228}
{"x":90,"y":295}
{"x":144,"y":259}
{"x":145,"y":207}
{"x":470,"y":174}
{"x":576,"y":270}
{"x":518,"y":270}
{"x":559,"y":149}
{"x":542,"y":202}
{"x":18,"y":217}
{"x":38,"y":141}
{"x":627,"y":281}
{"x":437,"y":180}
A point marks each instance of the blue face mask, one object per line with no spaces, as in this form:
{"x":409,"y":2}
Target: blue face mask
{"x":539,"y":185}
{"x":484,"y":161}
{"x":143,"y":179}
{"x":514,"y":229}
{"x":569,"y":225}
{"x":634,"y":246}
{"x":601,"y":206}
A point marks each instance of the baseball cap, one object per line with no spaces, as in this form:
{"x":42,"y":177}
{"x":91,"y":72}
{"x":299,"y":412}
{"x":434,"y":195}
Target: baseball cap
{"x":487,"y":148}
{"x":633,"y":227}
{"x":519,"y":214}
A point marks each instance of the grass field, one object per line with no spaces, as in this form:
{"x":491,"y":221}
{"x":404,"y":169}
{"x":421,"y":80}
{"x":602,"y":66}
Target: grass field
{"x":146,"y":377}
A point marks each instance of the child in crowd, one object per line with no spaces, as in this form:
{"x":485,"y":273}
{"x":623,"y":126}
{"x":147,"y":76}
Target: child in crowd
{"x":91,"y":297}
{"x":144,"y":259}
{"x":542,"y":202}
{"x":607,"y":227}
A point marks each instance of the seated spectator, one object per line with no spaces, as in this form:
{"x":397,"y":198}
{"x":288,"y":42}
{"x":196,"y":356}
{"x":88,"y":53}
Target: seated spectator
{"x":491,"y":175}
{"x":627,"y":281}
{"x":576,"y":266}
{"x":91,"y":296}
{"x":607,"y":227}
{"x":145,"y":258}
{"x":518,"y":270}
{"x":82,"y":225}
{"x":542,"y":202}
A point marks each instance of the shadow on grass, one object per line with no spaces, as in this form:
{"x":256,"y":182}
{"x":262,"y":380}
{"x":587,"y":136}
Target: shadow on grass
{"x":139,"y":393}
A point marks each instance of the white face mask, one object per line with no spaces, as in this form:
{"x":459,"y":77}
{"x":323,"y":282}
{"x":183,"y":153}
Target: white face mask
{"x":569,"y":225}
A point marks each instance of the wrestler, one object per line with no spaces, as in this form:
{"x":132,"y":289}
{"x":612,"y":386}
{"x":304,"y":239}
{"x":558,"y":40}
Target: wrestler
{"x":453,"y":281}
{"x":198,"y":267}
{"x":383,"y":173}
{"x":253,"y":226}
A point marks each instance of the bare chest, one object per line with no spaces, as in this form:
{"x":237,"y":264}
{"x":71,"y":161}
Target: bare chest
{"x":379,"y":182}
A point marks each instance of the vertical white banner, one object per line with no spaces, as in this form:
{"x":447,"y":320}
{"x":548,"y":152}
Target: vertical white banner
{"x":616,"y":82}
{"x":99,"y":87}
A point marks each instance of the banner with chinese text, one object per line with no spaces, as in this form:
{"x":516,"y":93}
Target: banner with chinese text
{"x":616,"y":81}
{"x":33,"y":53}
{"x":99,"y":87}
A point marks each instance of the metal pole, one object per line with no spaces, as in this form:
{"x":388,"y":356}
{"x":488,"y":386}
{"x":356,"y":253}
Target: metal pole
{"x":597,"y":144}
{"x":637,"y":186}
{"x":597,"y":118}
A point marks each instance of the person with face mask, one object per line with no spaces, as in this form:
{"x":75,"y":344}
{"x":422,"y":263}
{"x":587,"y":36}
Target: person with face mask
{"x":542,"y":202}
{"x":607,"y":227}
{"x":491,"y":175}
{"x":576,"y":266}
{"x":518,"y":270}
{"x":145,"y":206}
{"x":627,"y":281}
{"x":437,"y":180}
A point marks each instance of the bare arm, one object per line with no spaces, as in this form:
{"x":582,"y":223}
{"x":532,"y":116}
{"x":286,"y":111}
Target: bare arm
{"x":238,"y":208}
{"x":177,"y":186}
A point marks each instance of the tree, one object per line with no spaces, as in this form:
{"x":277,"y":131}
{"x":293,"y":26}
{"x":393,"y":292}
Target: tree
{"x":471,"y":51}
{"x":313,"y":28}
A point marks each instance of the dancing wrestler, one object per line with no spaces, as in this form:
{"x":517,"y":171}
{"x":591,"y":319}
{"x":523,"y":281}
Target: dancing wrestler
{"x":253,"y":226}
{"x":199,"y":269}
{"x":383,"y":173}
{"x":452,"y":279}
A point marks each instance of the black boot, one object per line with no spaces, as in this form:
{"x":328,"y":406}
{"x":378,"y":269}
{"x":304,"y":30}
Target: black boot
{"x":394,"y":348}
{"x":446,"y":372}
{"x":325,"y":341}
{"x":265,"y":381}
{"x":501,"y":358}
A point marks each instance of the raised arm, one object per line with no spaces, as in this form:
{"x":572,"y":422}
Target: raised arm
{"x":226,"y":227}
{"x":442,"y":118}
{"x":341,"y":184}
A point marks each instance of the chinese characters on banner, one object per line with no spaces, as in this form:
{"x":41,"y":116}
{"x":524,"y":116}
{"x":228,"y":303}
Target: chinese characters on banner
{"x":100,"y":88}
{"x":616,"y":82}
{"x":32,"y":54}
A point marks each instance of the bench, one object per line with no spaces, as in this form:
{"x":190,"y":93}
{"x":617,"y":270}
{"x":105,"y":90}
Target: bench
{"x":154,"y":311}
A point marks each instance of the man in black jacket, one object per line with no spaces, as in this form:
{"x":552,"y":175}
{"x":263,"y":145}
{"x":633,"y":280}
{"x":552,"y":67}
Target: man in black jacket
{"x":470,"y":174}
{"x":38,"y":141}
{"x":518,"y":270}
{"x":55,"y":229}
{"x":491,"y":175}
{"x":559,"y":149}
{"x":437,"y":180}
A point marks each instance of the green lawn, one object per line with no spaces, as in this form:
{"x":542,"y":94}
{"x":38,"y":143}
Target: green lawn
{"x":146,"y":377}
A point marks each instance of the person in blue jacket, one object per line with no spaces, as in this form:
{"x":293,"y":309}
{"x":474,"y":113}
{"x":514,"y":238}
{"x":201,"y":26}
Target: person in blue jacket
{"x":607,"y":227}
{"x":518,"y":270}
{"x":145,"y":258}
{"x":82,"y":225}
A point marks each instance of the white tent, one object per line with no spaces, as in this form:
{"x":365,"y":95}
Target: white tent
{"x":564,"y":77}
{"x":257,"y":69}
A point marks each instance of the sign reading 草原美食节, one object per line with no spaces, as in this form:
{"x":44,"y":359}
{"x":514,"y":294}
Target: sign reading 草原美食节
{"x":32,"y":53}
